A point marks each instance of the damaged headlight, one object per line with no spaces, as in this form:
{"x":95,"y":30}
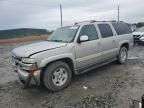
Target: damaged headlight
{"x":28,"y":60}
{"x":30,"y":64}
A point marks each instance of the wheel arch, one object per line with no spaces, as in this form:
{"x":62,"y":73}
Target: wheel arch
{"x":126,"y":44}
{"x":67,"y":60}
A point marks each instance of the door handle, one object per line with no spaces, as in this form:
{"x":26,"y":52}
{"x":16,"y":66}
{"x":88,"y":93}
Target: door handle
{"x":113,"y":41}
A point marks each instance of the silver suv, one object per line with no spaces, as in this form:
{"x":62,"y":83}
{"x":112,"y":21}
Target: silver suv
{"x":72,"y":50}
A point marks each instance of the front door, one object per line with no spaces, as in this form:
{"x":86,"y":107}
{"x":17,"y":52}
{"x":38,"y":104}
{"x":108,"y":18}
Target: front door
{"x":89,"y":52}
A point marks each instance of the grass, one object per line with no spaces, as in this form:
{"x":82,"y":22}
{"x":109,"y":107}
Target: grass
{"x":23,"y":39}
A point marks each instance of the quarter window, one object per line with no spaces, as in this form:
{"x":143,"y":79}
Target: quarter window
{"x":90,"y":31}
{"x":121,"y":28}
{"x":105,"y":30}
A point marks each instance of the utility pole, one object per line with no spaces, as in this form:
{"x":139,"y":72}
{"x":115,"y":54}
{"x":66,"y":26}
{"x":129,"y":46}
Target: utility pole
{"x":118,"y":13}
{"x":61,"y":15}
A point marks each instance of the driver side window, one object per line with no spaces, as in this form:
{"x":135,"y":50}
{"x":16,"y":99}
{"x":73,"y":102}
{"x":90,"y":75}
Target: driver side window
{"x":90,"y":31}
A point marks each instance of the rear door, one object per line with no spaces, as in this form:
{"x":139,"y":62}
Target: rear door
{"x":107,"y":41}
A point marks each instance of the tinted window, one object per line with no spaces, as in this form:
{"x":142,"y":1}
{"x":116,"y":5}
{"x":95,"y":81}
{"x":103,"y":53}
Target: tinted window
{"x":121,"y":28}
{"x":105,"y":30}
{"x":90,"y":31}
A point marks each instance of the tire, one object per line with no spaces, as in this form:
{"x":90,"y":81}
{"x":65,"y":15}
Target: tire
{"x":122,"y":56}
{"x":57,"y":76}
{"x":22,"y":81}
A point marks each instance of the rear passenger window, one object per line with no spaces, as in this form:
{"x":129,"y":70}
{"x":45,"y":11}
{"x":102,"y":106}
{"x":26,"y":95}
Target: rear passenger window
{"x":90,"y":31}
{"x":121,"y":28}
{"x":105,"y":30}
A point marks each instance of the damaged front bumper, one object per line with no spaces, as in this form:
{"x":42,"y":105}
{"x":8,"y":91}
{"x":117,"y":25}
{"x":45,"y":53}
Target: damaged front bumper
{"x":23,"y":74}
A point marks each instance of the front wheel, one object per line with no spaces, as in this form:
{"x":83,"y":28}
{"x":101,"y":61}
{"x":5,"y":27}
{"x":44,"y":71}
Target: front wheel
{"x":122,"y":57}
{"x":57,"y":76}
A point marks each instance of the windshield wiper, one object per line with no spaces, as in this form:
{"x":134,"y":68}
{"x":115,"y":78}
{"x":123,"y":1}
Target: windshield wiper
{"x":57,"y":40}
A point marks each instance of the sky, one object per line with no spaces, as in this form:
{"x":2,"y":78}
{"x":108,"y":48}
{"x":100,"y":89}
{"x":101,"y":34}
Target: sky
{"x":45,"y":14}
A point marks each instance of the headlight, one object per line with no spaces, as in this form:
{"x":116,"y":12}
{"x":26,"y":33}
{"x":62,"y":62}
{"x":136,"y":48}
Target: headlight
{"x":142,"y":38}
{"x":28,"y":60}
{"x":30,"y":64}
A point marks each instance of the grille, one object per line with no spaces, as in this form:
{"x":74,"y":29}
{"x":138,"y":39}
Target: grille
{"x":18,"y":58}
{"x":136,"y":36}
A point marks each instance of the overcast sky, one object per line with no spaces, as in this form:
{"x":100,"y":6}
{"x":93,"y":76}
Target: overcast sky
{"x":45,"y":13}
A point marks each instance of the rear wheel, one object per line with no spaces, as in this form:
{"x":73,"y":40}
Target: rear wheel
{"x":123,"y":53}
{"x":57,"y":76}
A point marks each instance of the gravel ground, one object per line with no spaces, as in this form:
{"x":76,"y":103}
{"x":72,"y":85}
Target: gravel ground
{"x":111,"y":86}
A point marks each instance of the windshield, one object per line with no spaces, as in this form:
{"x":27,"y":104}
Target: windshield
{"x":140,"y":29}
{"x":64,"y":34}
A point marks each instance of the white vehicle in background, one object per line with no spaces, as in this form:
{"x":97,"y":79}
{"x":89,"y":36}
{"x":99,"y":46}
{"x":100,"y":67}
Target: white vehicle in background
{"x":139,"y":36}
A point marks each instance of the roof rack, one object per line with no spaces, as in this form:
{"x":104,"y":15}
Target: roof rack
{"x":92,"y":21}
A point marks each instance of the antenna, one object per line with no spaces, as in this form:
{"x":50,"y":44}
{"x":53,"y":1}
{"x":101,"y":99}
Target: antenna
{"x":118,"y":13}
{"x":61,"y":14}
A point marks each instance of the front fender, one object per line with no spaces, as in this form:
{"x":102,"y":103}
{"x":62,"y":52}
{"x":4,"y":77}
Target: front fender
{"x":44,"y":62}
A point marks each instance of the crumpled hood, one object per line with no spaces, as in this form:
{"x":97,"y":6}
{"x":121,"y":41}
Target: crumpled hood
{"x":27,"y":50}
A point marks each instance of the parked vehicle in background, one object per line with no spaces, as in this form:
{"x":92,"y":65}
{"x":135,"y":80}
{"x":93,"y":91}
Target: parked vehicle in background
{"x":73,"y":50}
{"x":139,"y":36}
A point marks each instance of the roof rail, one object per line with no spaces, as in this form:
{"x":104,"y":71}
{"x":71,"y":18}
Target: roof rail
{"x":107,"y":21}
{"x":92,"y":21}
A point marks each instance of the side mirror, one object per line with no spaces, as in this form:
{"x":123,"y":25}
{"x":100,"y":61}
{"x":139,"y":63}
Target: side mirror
{"x":83,"y":38}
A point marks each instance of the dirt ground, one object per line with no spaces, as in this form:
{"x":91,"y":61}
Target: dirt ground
{"x":111,"y":86}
